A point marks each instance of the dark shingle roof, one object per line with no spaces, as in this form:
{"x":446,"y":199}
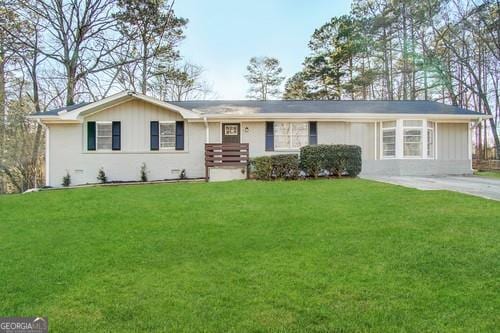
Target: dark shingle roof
{"x":68,"y":108}
{"x":290,"y":106}
{"x":293,"y":106}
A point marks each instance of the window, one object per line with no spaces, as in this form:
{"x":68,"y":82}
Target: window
{"x":412,"y":138}
{"x":430,"y":139}
{"x":389,"y":139}
{"x":104,"y":135}
{"x":290,"y":135}
{"x":230,"y":129}
{"x":167,"y":135}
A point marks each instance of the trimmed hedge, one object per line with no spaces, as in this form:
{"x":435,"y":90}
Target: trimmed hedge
{"x":334,"y":159}
{"x":284,"y":166}
{"x":263,"y":167}
{"x":313,"y":159}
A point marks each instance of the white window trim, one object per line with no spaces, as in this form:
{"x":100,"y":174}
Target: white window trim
{"x":423,"y":143}
{"x":400,"y":140}
{"x":382,"y":129}
{"x":101,"y":122}
{"x":291,"y":135}
{"x":434,"y":147}
{"x":159,"y":134}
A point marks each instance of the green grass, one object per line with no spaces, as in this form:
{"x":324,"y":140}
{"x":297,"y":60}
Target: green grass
{"x":489,"y":174}
{"x":305,"y":256}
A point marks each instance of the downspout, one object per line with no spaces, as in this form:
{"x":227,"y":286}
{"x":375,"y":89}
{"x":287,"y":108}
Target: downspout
{"x":207,"y":131}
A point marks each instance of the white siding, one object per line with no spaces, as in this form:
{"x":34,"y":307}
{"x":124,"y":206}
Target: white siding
{"x":68,"y":151}
{"x":452,"y":141}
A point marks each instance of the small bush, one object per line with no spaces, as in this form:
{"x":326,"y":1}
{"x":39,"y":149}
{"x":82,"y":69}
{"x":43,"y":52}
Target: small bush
{"x":66,"y":181}
{"x":263,"y":167}
{"x":285,"y":166}
{"x":183,"y":174}
{"x":144,"y":173}
{"x":101,"y":176}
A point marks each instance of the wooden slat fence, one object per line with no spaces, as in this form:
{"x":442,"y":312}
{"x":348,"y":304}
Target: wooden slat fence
{"x":486,"y":165}
{"x":226,"y":154}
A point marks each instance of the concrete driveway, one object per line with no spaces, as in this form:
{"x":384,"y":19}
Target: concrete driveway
{"x":474,"y":185}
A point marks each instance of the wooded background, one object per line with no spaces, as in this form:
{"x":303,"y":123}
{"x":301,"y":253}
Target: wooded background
{"x":55,"y":53}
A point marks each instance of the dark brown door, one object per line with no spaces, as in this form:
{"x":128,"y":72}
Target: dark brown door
{"x":230,"y":133}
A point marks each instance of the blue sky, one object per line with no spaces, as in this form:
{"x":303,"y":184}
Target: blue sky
{"x":222,"y":35}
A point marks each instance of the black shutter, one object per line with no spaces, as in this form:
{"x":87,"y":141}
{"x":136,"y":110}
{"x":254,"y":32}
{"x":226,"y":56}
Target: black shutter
{"x":179,"y":135}
{"x":269,"y":136}
{"x":91,"y":135}
{"x":313,"y":133}
{"x":155,"y":135}
{"x":116,"y":138}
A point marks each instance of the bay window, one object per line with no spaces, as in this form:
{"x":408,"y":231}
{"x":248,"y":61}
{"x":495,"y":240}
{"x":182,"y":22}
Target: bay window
{"x":290,"y":135}
{"x":408,"y":139}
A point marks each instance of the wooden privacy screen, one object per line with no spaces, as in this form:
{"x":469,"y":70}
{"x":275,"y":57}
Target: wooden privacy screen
{"x":226,"y":154}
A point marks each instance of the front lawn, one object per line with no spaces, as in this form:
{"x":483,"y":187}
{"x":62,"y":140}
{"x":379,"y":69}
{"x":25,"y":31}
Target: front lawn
{"x":327,"y":256}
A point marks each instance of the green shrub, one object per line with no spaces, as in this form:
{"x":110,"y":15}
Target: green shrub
{"x":144,"y":173}
{"x":352,"y":155}
{"x":66,"y":181}
{"x":101,"y":176}
{"x":263,"y":167}
{"x":285,"y":166}
{"x":313,"y":159}
{"x":335,"y":159}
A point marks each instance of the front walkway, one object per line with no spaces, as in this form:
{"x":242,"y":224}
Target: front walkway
{"x":473,"y":185}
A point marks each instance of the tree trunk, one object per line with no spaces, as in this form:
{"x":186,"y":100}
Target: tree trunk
{"x":2,"y":113}
{"x":405,"y":52}
{"x":144,"y":79}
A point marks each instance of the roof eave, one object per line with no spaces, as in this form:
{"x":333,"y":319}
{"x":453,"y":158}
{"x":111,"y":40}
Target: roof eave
{"x":373,"y":116}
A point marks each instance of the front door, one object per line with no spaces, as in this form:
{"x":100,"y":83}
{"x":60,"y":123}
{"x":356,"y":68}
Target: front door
{"x":230,"y":133}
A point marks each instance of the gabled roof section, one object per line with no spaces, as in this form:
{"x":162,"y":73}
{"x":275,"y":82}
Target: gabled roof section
{"x":78,"y":111}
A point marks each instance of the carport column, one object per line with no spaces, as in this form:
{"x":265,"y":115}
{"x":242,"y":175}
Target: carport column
{"x":399,"y":138}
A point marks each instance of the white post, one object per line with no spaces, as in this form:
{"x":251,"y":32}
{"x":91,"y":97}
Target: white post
{"x":436,"y":140}
{"x":47,"y":156}
{"x":469,"y":143}
{"x":399,"y":139}
{"x":424,"y":139}
{"x":375,"y":139}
